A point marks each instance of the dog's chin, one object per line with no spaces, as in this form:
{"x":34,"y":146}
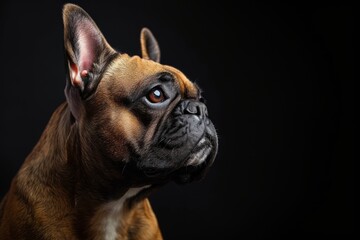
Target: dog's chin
{"x":189,"y":174}
{"x":194,"y":168}
{"x":197,"y":164}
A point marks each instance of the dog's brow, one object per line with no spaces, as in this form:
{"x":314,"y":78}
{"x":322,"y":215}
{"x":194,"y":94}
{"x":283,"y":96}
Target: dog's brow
{"x":163,"y":77}
{"x":166,"y":77}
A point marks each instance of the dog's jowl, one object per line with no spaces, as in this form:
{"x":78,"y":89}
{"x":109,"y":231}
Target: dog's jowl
{"x":129,"y":125}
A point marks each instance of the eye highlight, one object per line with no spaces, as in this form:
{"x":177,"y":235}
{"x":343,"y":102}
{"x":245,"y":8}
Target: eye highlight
{"x":156,"y":95}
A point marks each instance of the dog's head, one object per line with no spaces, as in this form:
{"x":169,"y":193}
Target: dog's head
{"x":144,"y":119}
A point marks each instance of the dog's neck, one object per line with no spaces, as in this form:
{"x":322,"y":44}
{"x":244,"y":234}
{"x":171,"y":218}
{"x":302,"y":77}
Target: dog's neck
{"x":89,"y":199}
{"x":108,"y":220}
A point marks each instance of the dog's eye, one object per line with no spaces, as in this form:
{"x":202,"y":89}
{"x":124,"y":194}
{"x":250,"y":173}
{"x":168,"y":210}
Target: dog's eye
{"x":156,"y":95}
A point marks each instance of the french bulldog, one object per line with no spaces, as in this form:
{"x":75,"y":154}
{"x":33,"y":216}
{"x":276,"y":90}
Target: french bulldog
{"x":128,"y":126}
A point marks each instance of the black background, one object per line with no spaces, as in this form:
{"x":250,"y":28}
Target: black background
{"x":279,"y":82}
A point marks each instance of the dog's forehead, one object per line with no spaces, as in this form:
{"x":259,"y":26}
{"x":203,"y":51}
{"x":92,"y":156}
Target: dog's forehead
{"x":134,"y":72}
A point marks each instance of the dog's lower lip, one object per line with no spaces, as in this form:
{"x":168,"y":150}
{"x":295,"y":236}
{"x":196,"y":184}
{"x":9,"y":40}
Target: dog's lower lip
{"x":199,"y":156}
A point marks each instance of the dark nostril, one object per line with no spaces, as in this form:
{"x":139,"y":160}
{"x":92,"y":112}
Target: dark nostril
{"x":195,"y":108}
{"x":198,"y":109}
{"x":192,"y":109}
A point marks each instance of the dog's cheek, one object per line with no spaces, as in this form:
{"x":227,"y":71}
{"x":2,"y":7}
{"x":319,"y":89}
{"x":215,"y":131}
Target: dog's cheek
{"x":132,"y":129}
{"x":119,"y":133}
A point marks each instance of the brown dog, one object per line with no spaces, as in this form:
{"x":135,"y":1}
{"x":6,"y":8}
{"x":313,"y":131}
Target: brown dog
{"x":129,"y":125}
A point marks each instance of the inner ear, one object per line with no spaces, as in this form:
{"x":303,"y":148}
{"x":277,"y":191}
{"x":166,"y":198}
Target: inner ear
{"x":149,"y":46}
{"x":86,"y":48}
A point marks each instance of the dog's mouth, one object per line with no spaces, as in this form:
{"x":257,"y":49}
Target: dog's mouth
{"x":199,"y":161}
{"x":182,"y":175}
{"x":194,"y":167}
{"x":184,"y":162}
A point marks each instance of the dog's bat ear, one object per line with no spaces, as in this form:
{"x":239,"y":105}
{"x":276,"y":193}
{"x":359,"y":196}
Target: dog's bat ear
{"x":87,"y":52}
{"x":149,"y":46}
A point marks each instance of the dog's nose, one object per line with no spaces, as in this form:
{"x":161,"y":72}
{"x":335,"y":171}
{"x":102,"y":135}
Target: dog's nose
{"x":195,"y":108}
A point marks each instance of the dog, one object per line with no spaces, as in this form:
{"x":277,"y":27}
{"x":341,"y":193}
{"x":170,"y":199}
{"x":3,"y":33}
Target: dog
{"x":128,"y":126}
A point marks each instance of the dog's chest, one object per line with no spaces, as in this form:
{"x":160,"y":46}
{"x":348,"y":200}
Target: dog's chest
{"x":108,"y":220}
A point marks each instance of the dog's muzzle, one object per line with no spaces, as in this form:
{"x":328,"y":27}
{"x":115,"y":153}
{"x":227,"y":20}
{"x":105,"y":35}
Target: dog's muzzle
{"x":186,"y":146}
{"x":204,"y":150}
